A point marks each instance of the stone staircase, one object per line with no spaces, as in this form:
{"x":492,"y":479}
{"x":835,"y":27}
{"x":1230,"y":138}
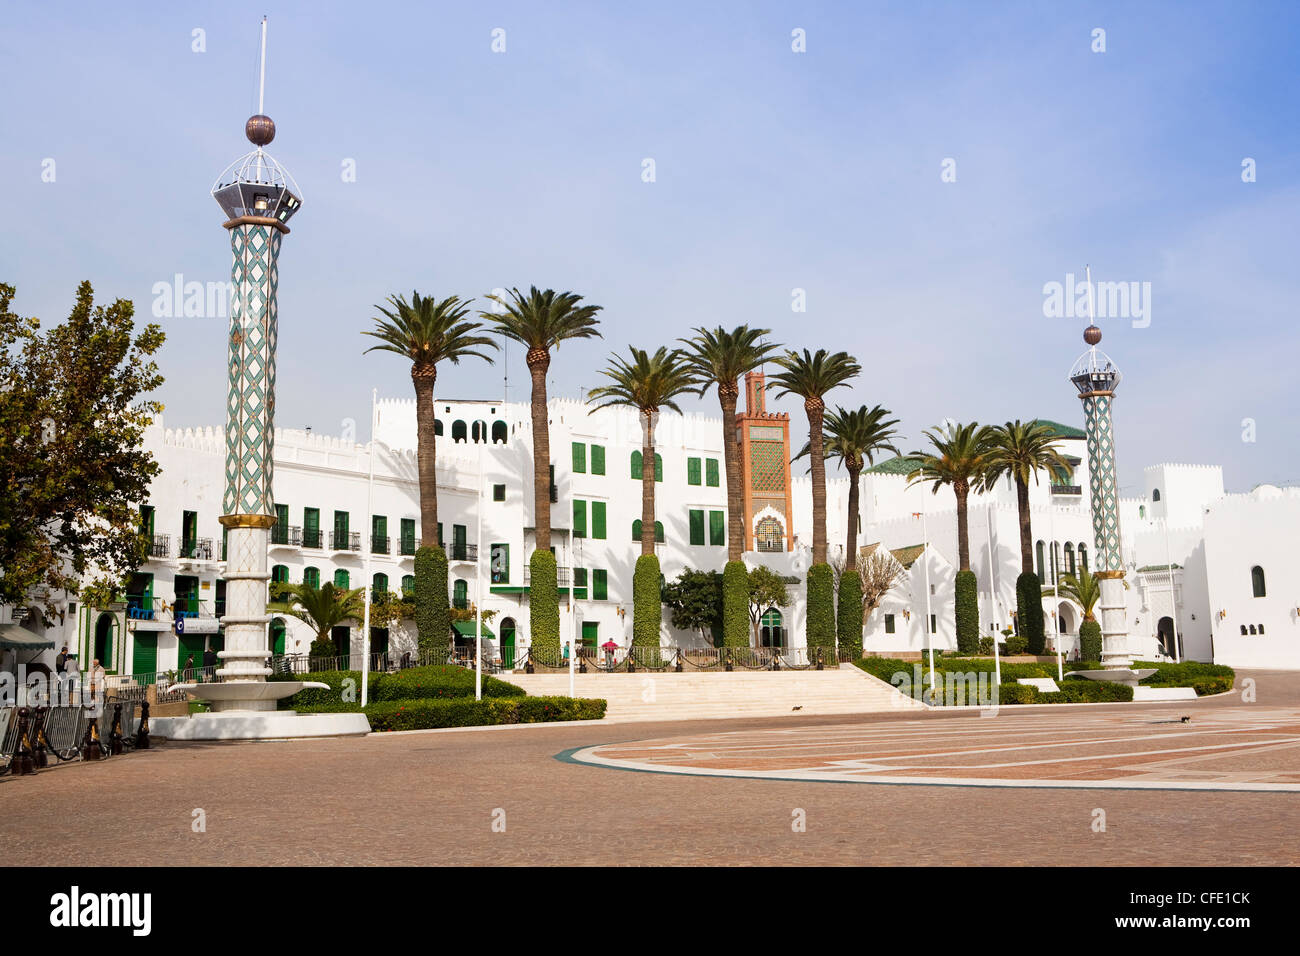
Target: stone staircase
{"x":648,"y":695}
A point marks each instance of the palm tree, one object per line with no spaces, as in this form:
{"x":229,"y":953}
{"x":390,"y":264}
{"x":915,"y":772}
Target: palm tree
{"x":1021,"y":450}
{"x":540,"y":321}
{"x":811,"y":376}
{"x":960,"y":458}
{"x":1083,"y":589}
{"x":854,"y":437}
{"x":720,"y":358}
{"x":647,"y":383}
{"x":428,"y":331}
{"x":323,"y":608}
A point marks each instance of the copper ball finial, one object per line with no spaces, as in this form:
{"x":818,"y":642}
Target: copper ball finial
{"x":260,"y":130}
{"x":1092,"y":335}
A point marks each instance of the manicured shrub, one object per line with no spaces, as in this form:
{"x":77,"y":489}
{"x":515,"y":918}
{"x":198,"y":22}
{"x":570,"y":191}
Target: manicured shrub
{"x":1204,"y":678}
{"x":437,"y":682}
{"x":735,"y":605}
{"x":1016,"y":644}
{"x":986,"y":646}
{"x":1018,"y":694}
{"x":1083,"y":691}
{"x":647,"y":604}
{"x":544,"y":604}
{"x":820,"y":624}
{"x":389,"y":715}
{"x":432,"y":607}
{"x":1090,"y":641}
{"x":967,"y":612}
{"x":323,"y":647}
{"x":1029,"y":611}
{"x":848,"y":613}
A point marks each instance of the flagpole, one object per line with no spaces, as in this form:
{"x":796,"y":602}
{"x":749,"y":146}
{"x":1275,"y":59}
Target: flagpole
{"x":1173,"y":596}
{"x":368,"y":589}
{"x":1056,"y":598}
{"x":997,"y":658}
{"x":478,"y":581}
{"x":925,"y":554}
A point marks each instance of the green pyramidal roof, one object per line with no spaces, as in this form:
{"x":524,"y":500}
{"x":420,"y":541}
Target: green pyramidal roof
{"x":893,"y":466}
{"x":1062,"y":431}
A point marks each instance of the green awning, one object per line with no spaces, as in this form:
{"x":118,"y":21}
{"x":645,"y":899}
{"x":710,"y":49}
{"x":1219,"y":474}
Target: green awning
{"x":14,"y":637}
{"x":464,"y":629}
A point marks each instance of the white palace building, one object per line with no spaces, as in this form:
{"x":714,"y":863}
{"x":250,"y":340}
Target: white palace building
{"x":1210,"y":567}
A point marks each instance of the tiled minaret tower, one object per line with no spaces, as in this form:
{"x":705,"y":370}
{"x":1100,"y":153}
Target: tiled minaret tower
{"x":258,"y":197}
{"x":1096,"y":378}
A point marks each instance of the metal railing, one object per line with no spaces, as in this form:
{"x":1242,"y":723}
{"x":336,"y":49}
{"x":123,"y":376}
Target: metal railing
{"x":290,"y":536}
{"x":345,"y":540}
{"x":1067,"y":490}
{"x":311,"y":537}
{"x":160,"y":546}
{"x":562,"y":576}
{"x":196,"y":549}
{"x":378,"y":544}
{"x":408,"y":546}
{"x":462,"y":552}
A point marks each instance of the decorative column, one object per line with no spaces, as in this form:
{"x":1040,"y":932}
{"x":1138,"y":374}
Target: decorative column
{"x":1096,"y":378}
{"x":258,"y":197}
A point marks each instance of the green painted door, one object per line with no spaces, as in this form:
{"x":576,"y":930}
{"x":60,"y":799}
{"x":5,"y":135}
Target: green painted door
{"x":189,"y":644}
{"x":590,"y":633}
{"x":277,"y":636}
{"x":144,"y":657}
{"x":508,"y":642}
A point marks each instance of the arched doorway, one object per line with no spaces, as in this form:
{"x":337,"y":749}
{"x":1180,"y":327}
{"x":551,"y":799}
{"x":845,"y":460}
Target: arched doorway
{"x":105,"y":631}
{"x":277,"y":635}
{"x":771,"y":629}
{"x":1165,"y":635}
{"x":508,"y":643}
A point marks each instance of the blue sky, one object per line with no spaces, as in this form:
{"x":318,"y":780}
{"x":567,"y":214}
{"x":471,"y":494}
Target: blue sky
{"x":774,"y":171}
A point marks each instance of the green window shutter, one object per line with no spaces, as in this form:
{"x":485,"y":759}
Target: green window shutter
{"x":590,"y":633}
{"x":711,"y":472}
{"x":408,"y":585}
{"x":579,"y":577}
{"x":599,"y":584}
{"x":659,"y":467}
{"x":579,"y":518}
{"x":408,"y":536}
{"x":440,"y":544}
{"x":659,"y":532}
{"x":597,"y":459}
{"x":636,"y":529}
{"x":500,"y":563}
{"x":717,"y":528}
{"x":697,"y":526}
{"x":341,"y":579}
{"x":636,"y":465}
{"x":579,"y":457}
{"x":692,"y":471}
{"x":598,"y":519}
{"x":281,"y":518}
{"x":311,"y":577}
{"x":498,"y":492}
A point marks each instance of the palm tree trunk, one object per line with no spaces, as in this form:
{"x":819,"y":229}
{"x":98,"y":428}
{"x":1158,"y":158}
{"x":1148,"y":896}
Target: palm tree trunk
{"x":727,"y":395}
{"x":816,"y":409}
{"x":426,"y":454}
{"x":539,"y":360}
{"x":648,"y":480}
{"x":1026,"y":531}
{"x":851,"y":535}
{"x":962,"y":490}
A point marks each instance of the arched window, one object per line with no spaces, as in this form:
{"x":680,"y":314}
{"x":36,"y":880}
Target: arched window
{"x":771,"y":630}
{"x":659,"y":531}
{"x":1257,"y":581}
{"x":499,"y":432}
{"x":1252,"y":629}
{"x":280,"y":574}
{"x":460,"y":594}
{"x":311,"y":577}
{"x":770,"y":535}
{"x":1069,"y":559}
{"x":1142,"y":511}
{"x":1038,"y":553}
{"x":1261,"y":629}
{"x":342,"y":579}
{"x":659,"y":467}
{"x":408,"y":585}
{"x":458,"y":431}
{"x":1243,"y":629}
{"x":636,"y":465}
{"x":480,"y":432}
{"x":1155,"y":494}
{"x":437,"y":427}
{"x":1083,"y":556}
{"x":379,"y":585}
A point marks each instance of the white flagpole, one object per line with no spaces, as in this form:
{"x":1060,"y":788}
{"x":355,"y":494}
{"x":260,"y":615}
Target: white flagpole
{"x":1173,"y":596}
{"x":1054,"y":571}
{"x":478,"y":581}
{"x":261,"y":83}
{"x":368,"y":592}
{"x":573,"y":625}
{"x":993,"y":595}
{"x":925,"y":556}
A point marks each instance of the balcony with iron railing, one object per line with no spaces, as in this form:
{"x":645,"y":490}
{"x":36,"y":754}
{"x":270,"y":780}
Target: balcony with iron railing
{"x":378,"y":544}
{"x":408,"y":546}
{"x":160,"y":546}
{"x":186,"y":607}
{"x":286,"y":536}
{"x":1073,"y":490}
{"x":311,"y":537}
{"x":562,"y":576}
{"x":462,"y":552}
{"x":345,"y":540}
{"x":196,"y":549}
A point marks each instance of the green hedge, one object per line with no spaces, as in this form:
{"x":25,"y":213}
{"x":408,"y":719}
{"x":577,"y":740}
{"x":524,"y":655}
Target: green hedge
{"x":416,"y":683}
{"x":735,"y":605}
{"x":1204,"y":678}
{"x":323,"y":647}
{"x":1084,"y":691}
{"x":967,"y":612}
{"x":647,"y":604}
{"x":543,"y":602}
{"x":391,"y":715}
{"x":820,"y":624}
{"x":1017,"y":693}
{"x":1090,"y":641}
{"x":1016,"y":644}
{"x":848,"y":613}
{"x":432,"y":607}
{"x":1029,"y":611}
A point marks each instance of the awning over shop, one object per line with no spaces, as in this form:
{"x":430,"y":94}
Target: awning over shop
{"x":466,"y":629}
{"x":17,"y":638}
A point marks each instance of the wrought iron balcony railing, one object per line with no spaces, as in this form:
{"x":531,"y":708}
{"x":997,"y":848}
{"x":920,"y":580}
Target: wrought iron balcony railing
{"x":345,"y":540}
{"x":378,"y":545}
{"x":160,"y":546}
{"x":1067,"y":490}
{"x":311,"y":537}
{"x":462,"y":552}
{"x":408,"y":546}
{"x":287,"y":535}
{"x":196,"y":549}
{"x":562,"y":576}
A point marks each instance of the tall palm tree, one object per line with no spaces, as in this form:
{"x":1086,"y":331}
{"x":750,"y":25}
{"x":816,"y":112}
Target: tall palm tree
{"x":540,"y":321}
{"x":428,"y":331}
{"x":854,"y":437}
{"x":1083,"y":589}
{"x":323,"y":608}
{"x":959,"y":459}
{"x":647,"y":383}
{"x":1021,"y":450}
{"x":811,"y":376}
{"x":720,"y":358}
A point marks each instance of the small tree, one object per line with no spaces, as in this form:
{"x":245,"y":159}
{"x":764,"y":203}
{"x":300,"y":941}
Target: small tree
{"x":322,"y":609}
{"x":695,"y":599}
{"x":767,"y":590}
{"x":735,"y":601}
{"x":967,"y":612}
{"x":1029,"y":611}
{"x":647,"y":609}
{"x":1085,"y":590}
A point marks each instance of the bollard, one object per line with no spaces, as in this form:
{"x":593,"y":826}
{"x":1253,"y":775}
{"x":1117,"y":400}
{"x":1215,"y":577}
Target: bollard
{"x":22,"y":759}
{"x":142,"y":732}
{"x":115,"y":733}
{"x":727,"y":660}
{"x":90,"y":748}
{"x":40,"y":746}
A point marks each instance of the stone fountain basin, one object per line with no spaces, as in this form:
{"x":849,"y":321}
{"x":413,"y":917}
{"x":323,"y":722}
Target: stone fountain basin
{"x":249,"y":690}
{"x":1119,"y":675}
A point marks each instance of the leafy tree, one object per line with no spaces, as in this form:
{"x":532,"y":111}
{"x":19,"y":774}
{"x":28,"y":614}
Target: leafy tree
{"x":647,"y":602}
{"x":73,"y":411}
{"x":767,"y":590}
{"x":960,"y":459}
{"x":695,"y":599}
{"x":1022,"y":450}
{"x":1084,"y":589}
